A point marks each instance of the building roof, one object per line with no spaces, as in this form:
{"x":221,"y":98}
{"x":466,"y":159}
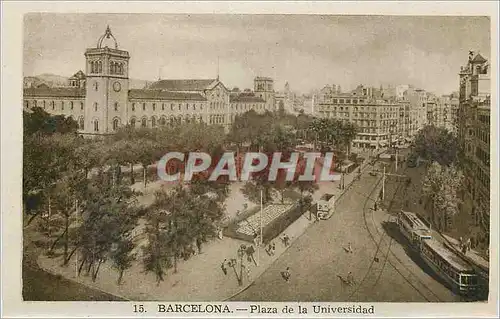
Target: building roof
{"x":182,"y":85}
{"x":479,"y":59}
{"x":246,"y":98}
{"x":263,"y":78}
{"x":44,"y":91}
{"x":150,"y":94}
{"x":78,"y":75}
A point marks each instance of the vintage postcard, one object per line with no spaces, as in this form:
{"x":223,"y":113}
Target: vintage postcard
{"x":249,"y":159}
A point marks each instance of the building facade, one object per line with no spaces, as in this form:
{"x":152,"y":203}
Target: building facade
{"x":474,"y":139}
{"x":376,"y":118}
{"x":101,"y":101}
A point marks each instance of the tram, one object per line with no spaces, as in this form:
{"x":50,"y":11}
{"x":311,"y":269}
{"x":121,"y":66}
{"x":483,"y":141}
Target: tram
{"x":448,"y":265}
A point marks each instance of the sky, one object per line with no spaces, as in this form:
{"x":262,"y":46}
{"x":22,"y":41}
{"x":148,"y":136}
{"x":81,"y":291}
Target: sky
{"x":307,"y":51}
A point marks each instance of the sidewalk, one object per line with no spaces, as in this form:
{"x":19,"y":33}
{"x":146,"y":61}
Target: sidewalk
{"x":200,"y":278}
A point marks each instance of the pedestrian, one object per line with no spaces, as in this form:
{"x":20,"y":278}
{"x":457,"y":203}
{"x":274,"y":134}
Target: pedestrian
{"x":223,"y":267}
{"x":269,"y":250}
{"x":350,"y":278}
{"x":286,"y":274}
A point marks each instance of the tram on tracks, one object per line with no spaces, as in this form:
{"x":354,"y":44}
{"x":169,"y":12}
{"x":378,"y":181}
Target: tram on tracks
{"x":447,"y":264}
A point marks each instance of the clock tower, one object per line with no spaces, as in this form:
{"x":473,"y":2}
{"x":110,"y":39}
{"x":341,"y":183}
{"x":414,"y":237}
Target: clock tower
{"x":107,"y":86}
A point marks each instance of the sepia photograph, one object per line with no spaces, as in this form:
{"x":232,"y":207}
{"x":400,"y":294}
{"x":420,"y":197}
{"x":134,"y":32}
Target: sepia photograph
{"x":192,"y":158}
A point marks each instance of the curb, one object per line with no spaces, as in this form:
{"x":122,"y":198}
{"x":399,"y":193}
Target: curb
{"x":271,"y":264}
{"x":253,"y":281}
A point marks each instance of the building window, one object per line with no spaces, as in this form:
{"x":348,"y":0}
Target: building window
{"x":70,"y":105}
{"x":153,"y":121}
{"x":116,"y":106}
{"x":154,"y":106}
{"x":53,"y":105}
{"x":144,"y":106}
{"x":163,"y":106}
{"x":81,"y":123}
{"x":116,"y":123}
{"x":172,"y":107}
{"x":62,"y":105}
{"x":144,"y":122}
{"x":81,"y":106}
{"x":96,"y":126}
{"x":194,"y":107}
{"x":44,"y":104}
{"x":133,"y":107}
{"x":163,"y":121}
{"x":187,"y":106}
{"x":95,"y":106}
{"x":132,"y":122}
{"x":180,"y":106}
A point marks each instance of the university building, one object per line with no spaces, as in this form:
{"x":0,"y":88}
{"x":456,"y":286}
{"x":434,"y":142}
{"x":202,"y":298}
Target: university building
{"x":101,"y":101}
{"x":474,"y":139}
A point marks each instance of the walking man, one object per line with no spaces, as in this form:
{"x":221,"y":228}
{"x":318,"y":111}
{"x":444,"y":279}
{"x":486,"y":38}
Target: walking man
{"x":223,"y":267}
{"x":286,"y":274}
{"x":350,"y":278}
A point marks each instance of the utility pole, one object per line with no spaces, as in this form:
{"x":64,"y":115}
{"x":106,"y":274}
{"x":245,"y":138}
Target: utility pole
{"x":76,"y":253}
{"x":396,"y":159}
{"x":259,"y":243}
{"x":383,"y":185}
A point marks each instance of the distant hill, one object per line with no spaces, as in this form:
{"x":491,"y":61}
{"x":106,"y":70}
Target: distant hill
{"x":54,"y":80}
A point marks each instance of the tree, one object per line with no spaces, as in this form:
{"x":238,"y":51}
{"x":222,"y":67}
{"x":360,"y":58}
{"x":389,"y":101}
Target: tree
{"x":441,"y":186}
{"x":108,"y":215}
{"x":122,"y":256}
{"x":436,"y":145}
{"x":40,"y":122}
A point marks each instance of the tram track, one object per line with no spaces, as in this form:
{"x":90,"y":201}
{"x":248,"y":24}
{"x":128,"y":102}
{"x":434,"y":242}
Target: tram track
{"x":389,"y":254}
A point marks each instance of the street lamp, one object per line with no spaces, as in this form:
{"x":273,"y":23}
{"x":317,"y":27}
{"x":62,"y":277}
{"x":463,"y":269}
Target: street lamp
{"x":241,"y":253}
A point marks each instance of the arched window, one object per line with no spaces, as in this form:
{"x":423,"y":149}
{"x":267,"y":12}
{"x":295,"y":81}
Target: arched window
{"x":144,"y":122}
{"x":116,"y":106}
{"x":153,"y":121}
{"x":100,"y":67}
{"x":95,"y":106}
{"x":116,"y":123}
{"x":112,"y":67}
{"x":163,"y":121}
{"x":171,"y":121}
{"x":96,"y":126}
{"x":132,"y":122}
{"x":81,"y":123}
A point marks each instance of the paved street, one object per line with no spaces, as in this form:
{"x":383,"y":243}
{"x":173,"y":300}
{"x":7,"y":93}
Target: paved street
{"x":318,"y":257}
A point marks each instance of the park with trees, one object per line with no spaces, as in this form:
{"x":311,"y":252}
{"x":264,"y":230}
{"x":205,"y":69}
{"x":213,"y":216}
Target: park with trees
{"x":86,"y":197}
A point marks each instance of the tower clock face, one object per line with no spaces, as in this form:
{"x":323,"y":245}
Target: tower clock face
{"x":117,"y":86}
